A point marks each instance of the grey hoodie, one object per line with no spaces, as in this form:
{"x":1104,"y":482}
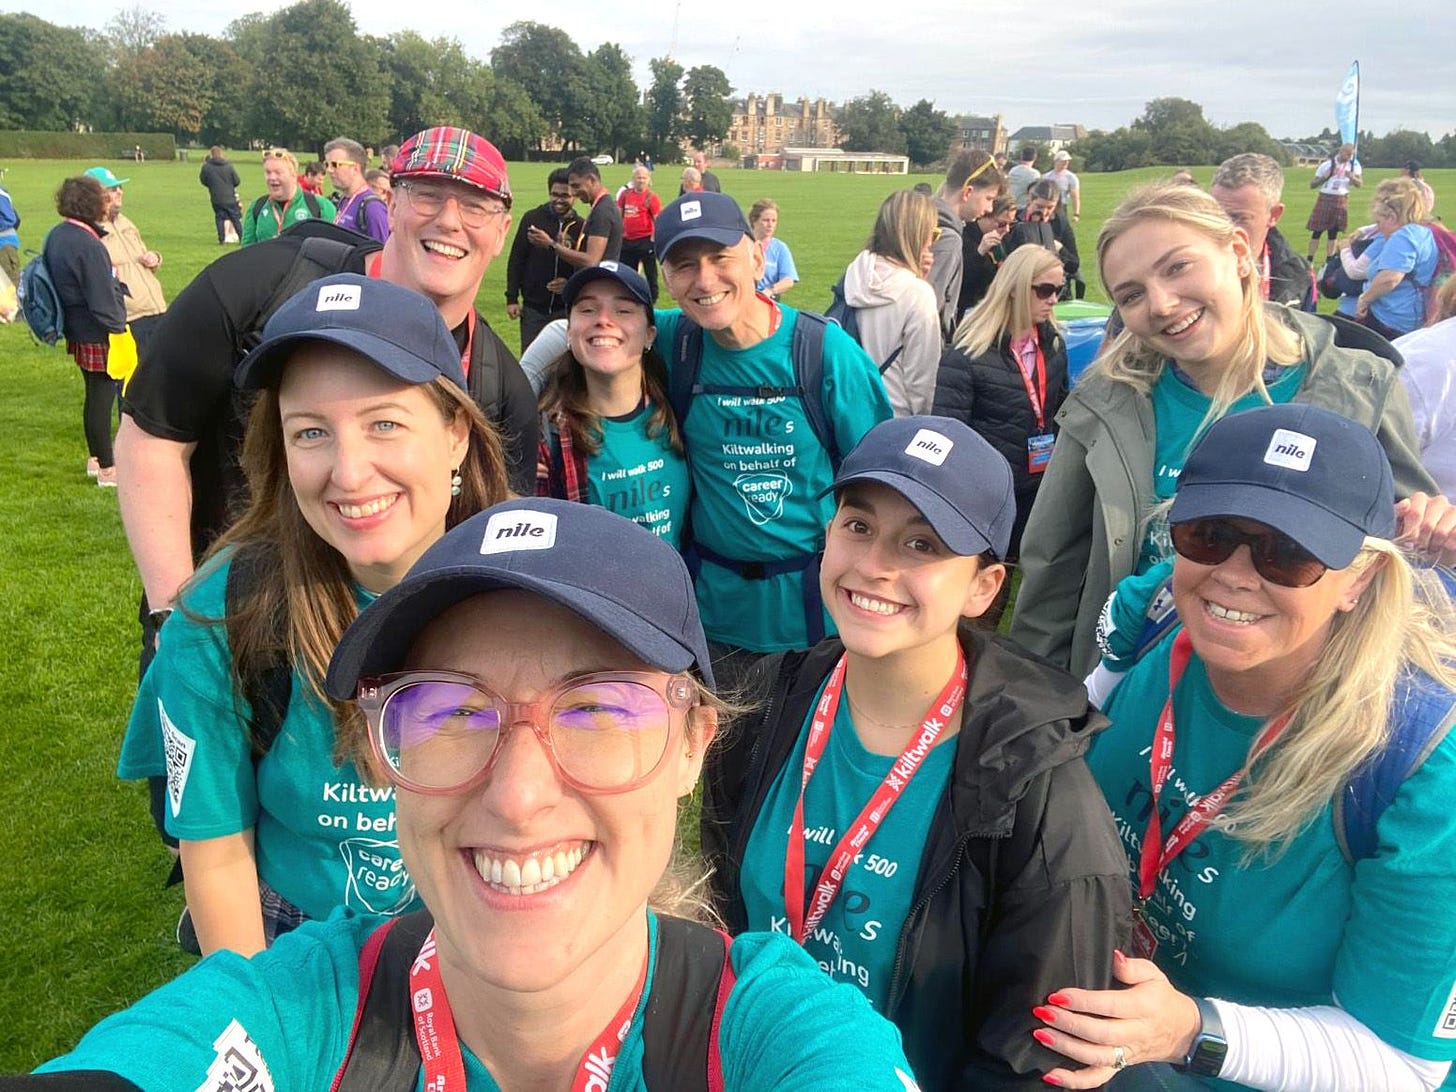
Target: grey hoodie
{"x":899,"y":326}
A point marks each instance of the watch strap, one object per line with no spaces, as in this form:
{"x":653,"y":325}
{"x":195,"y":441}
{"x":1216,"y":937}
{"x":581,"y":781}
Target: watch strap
{"x":1206,"y":1056}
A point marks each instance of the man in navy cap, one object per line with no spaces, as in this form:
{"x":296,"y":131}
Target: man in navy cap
{"x":768,"y":399}
{"x":182,"y":424}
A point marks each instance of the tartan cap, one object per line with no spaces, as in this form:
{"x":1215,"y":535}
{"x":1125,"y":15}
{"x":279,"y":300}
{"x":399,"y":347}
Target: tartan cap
{"x":456,"y":154}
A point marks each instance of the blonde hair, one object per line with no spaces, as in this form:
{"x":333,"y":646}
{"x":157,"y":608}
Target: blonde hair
{"x":1266,"y":339}
{"x":1342,"y":714}
{"x":903,"y":228}
{"x":303,"y":597}
{"x":1400,"y":197}
{"x":1006,"y":310}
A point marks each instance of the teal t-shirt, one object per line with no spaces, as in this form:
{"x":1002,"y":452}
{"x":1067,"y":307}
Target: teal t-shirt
{"x":323,"y":836}
{"x":1178,"y":410}
{"x":640,"y":476}
{"x":758,"y":471}
{"x":281,"y":1021}
{"x":857,"y":940}
{"x":1307,"y":928}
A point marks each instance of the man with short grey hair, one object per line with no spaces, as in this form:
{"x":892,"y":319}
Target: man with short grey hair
{"x":1250,"y":188}
{"x":360,"y":208}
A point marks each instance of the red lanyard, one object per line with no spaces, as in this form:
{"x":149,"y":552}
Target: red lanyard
{"x":374,"y":266}
{"x":1156,"y":854}
{"x":440,"y":1046}
{"x":863,"y":828}
{"x":1036,"y":394}
{"x":1264,"y":271}
{"x":775,"y":314}
{"x":85,"y":227}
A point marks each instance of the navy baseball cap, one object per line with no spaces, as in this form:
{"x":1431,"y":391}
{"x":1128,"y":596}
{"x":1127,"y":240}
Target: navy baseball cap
{"x":942,"y":466}
{"x":624,"y":275}
{"x":395,"y":328}
{"x":700,"y":215}
{"x":553,"y":548}
{"x":1322,"y":479}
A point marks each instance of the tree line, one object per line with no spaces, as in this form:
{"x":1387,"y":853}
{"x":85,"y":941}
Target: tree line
{"x":304,"y":74}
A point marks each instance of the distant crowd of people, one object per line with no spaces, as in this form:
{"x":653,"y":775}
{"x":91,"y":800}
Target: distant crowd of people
{"x":434,"y":641}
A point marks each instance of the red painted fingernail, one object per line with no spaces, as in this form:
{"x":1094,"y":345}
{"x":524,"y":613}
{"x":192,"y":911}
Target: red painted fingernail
{"x":1059,"y":999}
{"x":1118,"y":957}
{"x":1042,"y":1036}
{"x":1051,"y":1078}
{"x":1041,"y":1012}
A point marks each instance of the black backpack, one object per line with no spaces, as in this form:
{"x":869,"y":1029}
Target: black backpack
{"x":315,"y":210}
{"x":846,"y":318}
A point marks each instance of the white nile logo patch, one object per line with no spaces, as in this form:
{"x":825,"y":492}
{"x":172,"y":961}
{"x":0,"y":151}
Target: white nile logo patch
{"x":520,"y":529}
{"x":1292,"y":450}
{"x":609,"y":265}
{"x":930,"y":447}
{"x":338,"y":297}
{"x":691,"y":210}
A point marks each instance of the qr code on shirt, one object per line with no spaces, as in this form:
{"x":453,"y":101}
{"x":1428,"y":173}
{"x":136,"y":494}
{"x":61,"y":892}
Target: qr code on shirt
{"x":1446,"y":1022}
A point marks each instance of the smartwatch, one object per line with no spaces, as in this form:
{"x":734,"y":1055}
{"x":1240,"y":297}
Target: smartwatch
{"x":159,"y":616}
{"x":1205,"y":1057}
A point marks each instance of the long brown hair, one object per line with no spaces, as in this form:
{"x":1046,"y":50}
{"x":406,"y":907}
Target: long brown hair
{"x":303,"y":597}
{"x":565,"y":399}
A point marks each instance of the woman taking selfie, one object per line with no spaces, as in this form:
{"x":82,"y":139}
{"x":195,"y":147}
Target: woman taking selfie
{"x":362,"y":448}
{"x":1199,"y":343}
{"x":1281,"y":772}
{"x":540,"y":715}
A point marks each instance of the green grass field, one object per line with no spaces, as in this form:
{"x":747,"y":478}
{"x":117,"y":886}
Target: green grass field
{"x":85,"y":926}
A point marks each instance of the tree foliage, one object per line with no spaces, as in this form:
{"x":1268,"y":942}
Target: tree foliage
{"x":928,"y":133}
{"x":167,"y":87}
{"x":872,"y":124}
{"x":53,"y":74}
{"x":549,"y":65}
{"x":665,"y":125}
{"x":709,"y":112}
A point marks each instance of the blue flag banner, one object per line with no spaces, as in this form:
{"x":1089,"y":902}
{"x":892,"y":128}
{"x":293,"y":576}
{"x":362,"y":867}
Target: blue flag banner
{"x":1347,"y":106}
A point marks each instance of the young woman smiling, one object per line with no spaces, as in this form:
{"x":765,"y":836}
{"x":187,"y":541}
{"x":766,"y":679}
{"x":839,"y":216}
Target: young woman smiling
{"x":362,"y":448}
{"x":608,"y":435}
{"x":1199,"y":342}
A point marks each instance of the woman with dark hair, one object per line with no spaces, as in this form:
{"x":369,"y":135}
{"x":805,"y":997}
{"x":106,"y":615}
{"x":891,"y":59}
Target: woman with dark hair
{"x":362,"y":448}
{"x":93,"y":308}
{"x":607,"y":432}
{"x":983,"y":250}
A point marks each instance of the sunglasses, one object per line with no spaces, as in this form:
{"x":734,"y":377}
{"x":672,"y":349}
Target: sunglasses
{"x":1047,"y":291}
{"x":440,"y":732}
{"x":335,"y":164}
{"x":1277,"y":557}
{"x":276,"y":153}
{"x":429,"y":200}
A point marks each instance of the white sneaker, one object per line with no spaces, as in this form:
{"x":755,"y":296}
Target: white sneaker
{"x":93,"y":467}
{"x":106,"y":477}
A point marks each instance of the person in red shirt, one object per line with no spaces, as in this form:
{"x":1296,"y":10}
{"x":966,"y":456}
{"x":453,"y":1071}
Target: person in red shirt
{"x":640,"y":207}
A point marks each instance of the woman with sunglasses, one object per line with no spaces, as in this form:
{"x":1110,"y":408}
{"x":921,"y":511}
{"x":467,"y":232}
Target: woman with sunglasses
{"x":982,"y":250}
{"x":1280,"y":771}
{"x":540,"y":716}
{"x":363,"y":446}
{"x":1199,"y":342}
{"x":1006,"y":374}
{"x":894,"y":305}
{"x":607,"y":431}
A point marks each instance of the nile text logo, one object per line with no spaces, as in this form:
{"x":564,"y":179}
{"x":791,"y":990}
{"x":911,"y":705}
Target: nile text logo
{"x":519,"y":529}
{"x":930,"y":447}
{"x":1291,"y":450}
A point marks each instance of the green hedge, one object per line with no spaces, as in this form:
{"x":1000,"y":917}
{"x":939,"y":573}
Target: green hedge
{"x":28,"y":144}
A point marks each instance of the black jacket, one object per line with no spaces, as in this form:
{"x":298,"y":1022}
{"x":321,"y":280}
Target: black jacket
{"x":987,"y":393}
{"x":1023,"y":887}
{"x":91,"y":297}
{"x":978,"y":269}
{"x":1291,"y":280}
{"x":221,"y":179}
{"x":529,"y":268}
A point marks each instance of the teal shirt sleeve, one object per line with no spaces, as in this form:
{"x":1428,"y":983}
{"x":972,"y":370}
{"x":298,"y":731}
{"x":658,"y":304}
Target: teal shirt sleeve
{"x":854,"y":394}
{"x":786,"y":1025}
{"x":229,"y":1021}
{"x":1396,"y":967}
{"x":1120,"y":626}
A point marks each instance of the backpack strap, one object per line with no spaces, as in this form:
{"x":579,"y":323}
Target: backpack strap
{"x":690,"y":986}
{"x":383,"y":1055}
{"x":312,"y":203}
{"x":808,"y":358}
{"x":316,"y":257}
{"x":687,"y":361}
{"x":361,"y":224}
{"x":268,"y":689}
{"x":257,"y":206}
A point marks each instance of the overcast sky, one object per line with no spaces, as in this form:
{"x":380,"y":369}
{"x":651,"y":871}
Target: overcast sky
{"x":1094,"y":62}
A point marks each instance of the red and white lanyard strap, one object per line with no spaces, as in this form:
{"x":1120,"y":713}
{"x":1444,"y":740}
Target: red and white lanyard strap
{"x":84,"y":226}
{"x":1037,"y":394}
{"x":863,"y":828}
{"x":440,"y":1045}
{"x":1157,"y":854}
{"x":1264,"y":271}
{"x":775,"y":314}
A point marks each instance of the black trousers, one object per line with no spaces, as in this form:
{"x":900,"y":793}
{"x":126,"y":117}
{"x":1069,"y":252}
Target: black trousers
{"x":533,"y":322}
{"x":641,"y":255}
{"x":221,"y":214}
{"x":101,"y":394}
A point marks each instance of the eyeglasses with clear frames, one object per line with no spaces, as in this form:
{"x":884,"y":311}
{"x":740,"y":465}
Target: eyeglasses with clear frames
{"x":438,"y":733}
{"x":429,"y":198}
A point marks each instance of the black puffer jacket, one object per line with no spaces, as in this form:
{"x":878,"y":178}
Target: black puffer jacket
{"x":987,"y":393}
{"x":1022,"y":888}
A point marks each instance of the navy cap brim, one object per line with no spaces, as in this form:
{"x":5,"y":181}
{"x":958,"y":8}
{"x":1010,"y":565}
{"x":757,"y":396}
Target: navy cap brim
{"x":594,"y":273}
{"x":380,"y":639}
{"x":1330,"y":538}
{"x":952,"y":527}
{"x":721,"y":236}
{"x":260,"y":368}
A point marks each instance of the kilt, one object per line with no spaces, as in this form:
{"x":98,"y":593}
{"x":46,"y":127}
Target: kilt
{"x":90,"y":356}
{"x":1331,"y":213}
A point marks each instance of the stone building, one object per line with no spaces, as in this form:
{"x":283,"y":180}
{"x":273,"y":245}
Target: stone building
{"x":763,"y":125}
